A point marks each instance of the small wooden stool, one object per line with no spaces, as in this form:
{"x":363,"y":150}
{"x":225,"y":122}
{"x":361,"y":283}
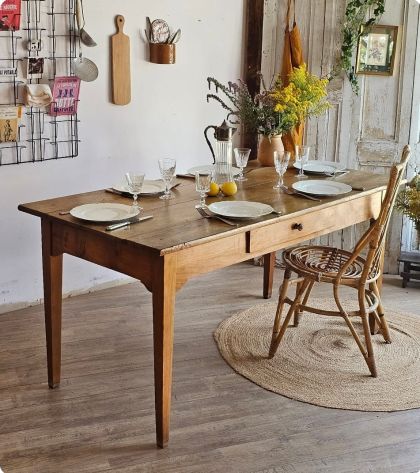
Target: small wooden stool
{"x":411,"y":270}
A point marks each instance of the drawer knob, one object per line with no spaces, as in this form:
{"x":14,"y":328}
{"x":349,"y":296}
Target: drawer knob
{"x":297,"y":226}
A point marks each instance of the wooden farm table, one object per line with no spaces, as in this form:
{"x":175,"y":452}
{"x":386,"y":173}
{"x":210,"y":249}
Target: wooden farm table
{"x":177,"y":244}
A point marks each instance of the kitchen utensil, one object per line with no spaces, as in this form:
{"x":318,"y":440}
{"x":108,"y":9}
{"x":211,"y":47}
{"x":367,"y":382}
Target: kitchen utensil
{"x":175,"y":37}
{"x":289,"y":191}
{"x":204,"y":214}
{"x":160,"y":31}
{"x":325,"y":188}
{"x":104,"y":212}
{"x":240,"y":209}
{"x":85,"y":69}
{"x":223,"y":148}
{"x":121,"y":71}
{"x":80,"y":19}
{"x":149,"y":31}
{"x":127,"y":223}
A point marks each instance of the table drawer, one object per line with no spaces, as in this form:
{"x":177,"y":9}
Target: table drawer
{"x":297,"y":229}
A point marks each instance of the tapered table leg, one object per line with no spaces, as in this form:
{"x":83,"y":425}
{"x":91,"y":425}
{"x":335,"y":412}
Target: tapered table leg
{"x":53,"y":275}
{"x":164,"y":289}
{"x":269,"y":263}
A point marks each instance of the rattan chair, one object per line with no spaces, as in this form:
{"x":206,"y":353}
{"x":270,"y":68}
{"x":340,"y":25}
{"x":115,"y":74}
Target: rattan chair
{"x":359,"y":269}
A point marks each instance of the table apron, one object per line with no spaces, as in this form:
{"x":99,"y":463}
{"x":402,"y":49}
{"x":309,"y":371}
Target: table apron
{"x":118,"y":255}
{"x":240,"y":247}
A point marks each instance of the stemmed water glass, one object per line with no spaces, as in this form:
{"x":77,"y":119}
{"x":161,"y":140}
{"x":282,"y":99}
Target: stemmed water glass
{"x":202,"y":185}
{"x":135,"y":184}
{"x":241,"y":158}
{"x":302,"y":157}
{"x":281,"y":161}
{"x":167,"y":168}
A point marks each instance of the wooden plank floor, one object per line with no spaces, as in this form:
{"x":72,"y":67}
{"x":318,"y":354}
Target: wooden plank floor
{"x":102,"y":419}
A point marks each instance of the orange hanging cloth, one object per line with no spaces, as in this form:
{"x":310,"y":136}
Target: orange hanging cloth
{"x":292,"y":57}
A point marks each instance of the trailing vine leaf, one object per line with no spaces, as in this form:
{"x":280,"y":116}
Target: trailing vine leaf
{"x":354,"y":23}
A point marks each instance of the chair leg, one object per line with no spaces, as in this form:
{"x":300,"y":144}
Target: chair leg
{"x":368,"y":351}
{"x":381,"y":313}
{"x":370,"y":358}
{"x":374,"y":323}
{"x":278,"y":334}
{"x":282,"y":296}
{"x":298,"y":311}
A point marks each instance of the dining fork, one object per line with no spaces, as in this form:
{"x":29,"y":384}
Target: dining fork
{"x":204,"y":214}
{"x":289,"y":191}
{"x":334,"y":174}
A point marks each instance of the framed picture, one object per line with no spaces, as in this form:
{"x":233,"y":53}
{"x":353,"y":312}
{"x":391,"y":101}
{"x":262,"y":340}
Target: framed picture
{"x":376,"y":50}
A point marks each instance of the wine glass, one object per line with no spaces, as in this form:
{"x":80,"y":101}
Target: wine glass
{"x":281,"y":161}
{"x":241,"y":158}
{"x":202,"y":185}
{"x":167,"y":168}
{"x":135,"y":184}
{"x":302,"y":156}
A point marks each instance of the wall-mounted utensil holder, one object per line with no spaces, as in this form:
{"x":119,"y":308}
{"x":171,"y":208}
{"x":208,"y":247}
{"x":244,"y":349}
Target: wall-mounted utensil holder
{"x":162,"y":53}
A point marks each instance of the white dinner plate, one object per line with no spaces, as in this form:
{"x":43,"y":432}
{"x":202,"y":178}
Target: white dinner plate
{"x":323,"y":188}
{"x":209,"y":168}
{"x":320,"y":167}
{"x":240,"y":209}
{"x":104,"y":212}
{"x":149,"y":187}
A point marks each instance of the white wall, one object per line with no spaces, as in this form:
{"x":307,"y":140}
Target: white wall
{"x":166,"y":117}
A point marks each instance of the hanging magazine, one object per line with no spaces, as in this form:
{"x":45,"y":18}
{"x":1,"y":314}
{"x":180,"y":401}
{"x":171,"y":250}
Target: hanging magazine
{"x":65,"y":95}
{"x":9,"y":123}
{"x":10,"y":11}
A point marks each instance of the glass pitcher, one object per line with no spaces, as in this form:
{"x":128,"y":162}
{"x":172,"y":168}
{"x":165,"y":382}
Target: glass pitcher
{"x":222,"y":151}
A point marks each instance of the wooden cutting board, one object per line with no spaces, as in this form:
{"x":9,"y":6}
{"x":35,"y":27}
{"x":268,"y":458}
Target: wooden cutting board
{"x":121,"y":71}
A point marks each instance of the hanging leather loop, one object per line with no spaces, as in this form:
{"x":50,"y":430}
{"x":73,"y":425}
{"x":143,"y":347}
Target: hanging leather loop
{"x":289,"y":5}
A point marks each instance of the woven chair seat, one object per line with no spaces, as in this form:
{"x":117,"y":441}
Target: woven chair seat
{"x":323,"y":263}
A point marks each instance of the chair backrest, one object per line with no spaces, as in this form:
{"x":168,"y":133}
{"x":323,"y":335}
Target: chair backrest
{"x":374,"y":238}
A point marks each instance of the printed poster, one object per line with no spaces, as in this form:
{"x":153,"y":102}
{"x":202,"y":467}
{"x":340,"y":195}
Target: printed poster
{"x":10,"y":11}
{"x":65,"y":95}
{"x":9,"y":123}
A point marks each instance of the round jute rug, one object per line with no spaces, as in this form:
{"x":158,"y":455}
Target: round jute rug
{"x":320,"y":363}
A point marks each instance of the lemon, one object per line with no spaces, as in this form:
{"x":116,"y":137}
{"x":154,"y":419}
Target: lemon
{"x":214,"y":189}
{"x":229,"y":188}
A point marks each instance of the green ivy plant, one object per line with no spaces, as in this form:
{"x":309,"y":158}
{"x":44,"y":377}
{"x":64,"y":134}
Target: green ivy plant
{"x":354,"y":24}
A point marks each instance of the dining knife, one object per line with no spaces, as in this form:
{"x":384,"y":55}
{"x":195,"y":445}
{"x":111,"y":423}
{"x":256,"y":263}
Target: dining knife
{"x":116,"y":226}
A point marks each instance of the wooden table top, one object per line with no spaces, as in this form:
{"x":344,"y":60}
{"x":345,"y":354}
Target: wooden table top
{"x":176,"y":224}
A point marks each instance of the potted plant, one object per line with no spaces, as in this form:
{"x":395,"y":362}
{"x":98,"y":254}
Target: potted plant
{"x":408,"y":202}
{"x":274,"y":111}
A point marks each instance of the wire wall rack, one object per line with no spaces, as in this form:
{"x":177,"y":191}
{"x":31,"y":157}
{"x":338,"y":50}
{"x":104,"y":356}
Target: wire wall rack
{"x":48,"y":31}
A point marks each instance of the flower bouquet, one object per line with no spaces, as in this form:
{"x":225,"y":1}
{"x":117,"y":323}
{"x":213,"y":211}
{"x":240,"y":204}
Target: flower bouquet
{"x":276,"y":109}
